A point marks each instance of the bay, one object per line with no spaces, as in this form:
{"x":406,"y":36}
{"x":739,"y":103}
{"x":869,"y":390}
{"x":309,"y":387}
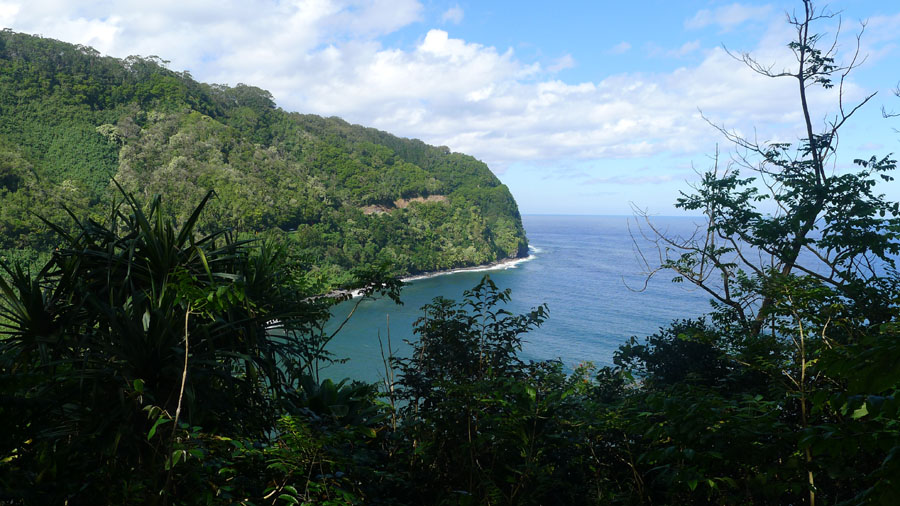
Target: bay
{"x":585,"y":268}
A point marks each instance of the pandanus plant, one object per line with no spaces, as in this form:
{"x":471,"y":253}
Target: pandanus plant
{"x":142,"y":313}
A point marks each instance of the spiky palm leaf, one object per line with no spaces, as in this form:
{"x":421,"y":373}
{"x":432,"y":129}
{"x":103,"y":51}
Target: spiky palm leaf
{"x":111,"y":308}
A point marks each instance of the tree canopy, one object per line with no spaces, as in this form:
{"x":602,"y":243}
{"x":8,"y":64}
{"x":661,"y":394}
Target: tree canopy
{"x":72,"y":122}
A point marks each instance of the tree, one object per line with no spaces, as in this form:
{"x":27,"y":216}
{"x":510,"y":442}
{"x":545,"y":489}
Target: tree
{"x":798,"y":258}
{"x":480,"y":426}
{"x":828,"y":225}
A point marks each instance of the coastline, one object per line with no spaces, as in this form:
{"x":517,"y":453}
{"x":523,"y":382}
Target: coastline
{"x":506,"y":263}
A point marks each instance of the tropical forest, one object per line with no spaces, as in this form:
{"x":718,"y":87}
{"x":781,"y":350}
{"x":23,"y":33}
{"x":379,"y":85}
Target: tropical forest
{"x":171,"y":254}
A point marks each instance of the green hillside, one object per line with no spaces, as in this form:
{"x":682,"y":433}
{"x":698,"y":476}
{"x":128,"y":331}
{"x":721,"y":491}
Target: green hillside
{"x":72,"y":121}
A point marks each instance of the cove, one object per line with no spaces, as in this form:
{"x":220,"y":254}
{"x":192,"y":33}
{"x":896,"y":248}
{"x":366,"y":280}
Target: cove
{"x":583,"y":267}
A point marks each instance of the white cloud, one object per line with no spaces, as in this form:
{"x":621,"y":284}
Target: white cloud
{"x":880,"y":40}
{"x":186,"y":32}
{"x":562,"y":63}
{"x":8,"y":12}
{"x":882,"y":28}
{"x":728,"y":16}
{"x":326,"y":57}
{"x":637,"y":180}
{"x":453,"y":15}
{"x":620,"y":48}
{"x":685,"y":49}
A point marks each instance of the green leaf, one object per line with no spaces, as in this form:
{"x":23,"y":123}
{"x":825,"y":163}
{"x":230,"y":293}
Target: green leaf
{"x":159,"y":421}
{"x":279,"y":466}
{"x":289,"y":499}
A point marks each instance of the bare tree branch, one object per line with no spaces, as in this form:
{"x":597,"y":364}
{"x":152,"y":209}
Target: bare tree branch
{"x":742,"y":245}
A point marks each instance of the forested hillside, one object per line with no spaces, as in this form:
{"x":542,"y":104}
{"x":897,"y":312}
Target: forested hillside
{"x":72,"y":122}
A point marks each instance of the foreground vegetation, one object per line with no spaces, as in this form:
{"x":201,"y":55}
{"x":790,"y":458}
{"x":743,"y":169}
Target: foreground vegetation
{"x":141,"y":365}
{"x":149,"y":361}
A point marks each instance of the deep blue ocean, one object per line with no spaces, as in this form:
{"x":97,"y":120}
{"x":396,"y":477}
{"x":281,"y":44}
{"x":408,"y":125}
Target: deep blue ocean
{"x":584,"y":268}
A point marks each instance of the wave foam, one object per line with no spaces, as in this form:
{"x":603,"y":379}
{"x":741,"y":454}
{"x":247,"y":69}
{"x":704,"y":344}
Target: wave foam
{"x":511,"y":263}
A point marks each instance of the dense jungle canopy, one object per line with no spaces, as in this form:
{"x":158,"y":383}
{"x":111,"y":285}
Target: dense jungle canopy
{"x":73,"y":121}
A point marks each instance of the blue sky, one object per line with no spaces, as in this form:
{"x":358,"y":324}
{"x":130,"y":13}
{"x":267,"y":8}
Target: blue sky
{"x":583,"y":107}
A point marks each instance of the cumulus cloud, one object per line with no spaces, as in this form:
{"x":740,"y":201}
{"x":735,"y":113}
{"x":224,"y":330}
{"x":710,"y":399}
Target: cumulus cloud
{"x":189,"y":33}
{"x":327,"y":57}
{"x":453,"y":15}
{"x":728,"y":17}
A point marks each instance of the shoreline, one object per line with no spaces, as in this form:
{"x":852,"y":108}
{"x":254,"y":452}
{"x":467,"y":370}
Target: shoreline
{"x":506,"y":263}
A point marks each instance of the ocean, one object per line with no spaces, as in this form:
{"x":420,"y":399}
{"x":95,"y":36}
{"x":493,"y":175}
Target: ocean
{"x":585,"y":268}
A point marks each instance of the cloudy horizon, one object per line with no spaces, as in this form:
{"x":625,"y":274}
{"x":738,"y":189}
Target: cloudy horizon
{"x":586,"y":120}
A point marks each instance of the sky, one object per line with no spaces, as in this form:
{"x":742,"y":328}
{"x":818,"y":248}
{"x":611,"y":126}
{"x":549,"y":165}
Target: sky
{"x":580,"y":107}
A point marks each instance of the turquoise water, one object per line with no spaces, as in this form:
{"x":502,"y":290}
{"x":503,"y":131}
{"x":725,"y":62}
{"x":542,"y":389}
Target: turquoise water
{"x":583,"y":267}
